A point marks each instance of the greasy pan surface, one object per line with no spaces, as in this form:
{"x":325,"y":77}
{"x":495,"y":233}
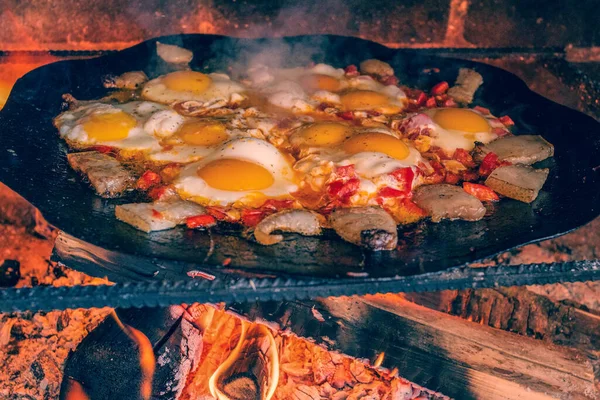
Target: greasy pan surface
{"x":33,"y":163}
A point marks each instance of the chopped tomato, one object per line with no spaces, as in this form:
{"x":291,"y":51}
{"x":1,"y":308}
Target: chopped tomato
{"x":440,"y":88}
{"x":450,"y":102}
{"x":482,"y":110}
{"x":251,"y":217}
{"x":343,"y":190}
{"x":463,"y":157}
{"x":200,"y":221}
{"x":276,"y":205}
{"x":351,"y":70}
{"x":469,"y":175}
{"x":404,"y":177}
{"x":148,"y":180}
{"x":482,"y":192}
{"x":157,"y":214}
{"x":346,"y":171}
{"x":500,"y":131}
{"x":391,"y":192}
{"x":410,"y":206}
{"x":347,"y":115}
{"x":452,"y":178}
{"x":506,"y":120}
{"x":430,"y":103}
{"x":389,"y":80}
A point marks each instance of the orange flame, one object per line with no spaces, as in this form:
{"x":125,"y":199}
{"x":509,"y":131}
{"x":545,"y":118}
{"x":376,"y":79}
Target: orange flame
{"x":75,"y":391}
{"x":379,"y":360}
{"x":147,"y":359}
{"x":247,"y":330}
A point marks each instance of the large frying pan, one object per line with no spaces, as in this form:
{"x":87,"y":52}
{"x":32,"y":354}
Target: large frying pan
{"x":33,"y":163}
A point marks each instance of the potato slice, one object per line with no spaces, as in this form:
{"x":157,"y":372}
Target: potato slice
{"x":519,"y":182}
{"x":369,"y":227}
{"x":106,"y":174}
{"x":149,"y":217}
{"x":443,"y":201}
{"x":467,"y":83}
{"x":522,"y":149}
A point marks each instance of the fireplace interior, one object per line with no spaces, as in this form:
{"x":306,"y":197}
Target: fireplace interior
{"x":500,"y":343}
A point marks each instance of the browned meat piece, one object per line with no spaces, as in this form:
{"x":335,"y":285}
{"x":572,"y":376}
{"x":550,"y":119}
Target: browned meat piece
{"x":157,"y":216}
{"x":370,"y":227}
{"x":376,"y":67}
{"x":466,"y":85}
{"x":519,"y":182}
{"x":522,"y":149}
{"x":105,"y":173}
{"x":445,"y":201}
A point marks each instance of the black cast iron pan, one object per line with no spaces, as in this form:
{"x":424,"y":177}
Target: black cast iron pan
{"x":33,"y":163}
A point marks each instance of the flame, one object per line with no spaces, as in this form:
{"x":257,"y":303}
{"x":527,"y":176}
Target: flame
{"x":147,"y":359}
{"x":379,"y":360}
{"x":75,"y":391}
{"x":249,"y":331}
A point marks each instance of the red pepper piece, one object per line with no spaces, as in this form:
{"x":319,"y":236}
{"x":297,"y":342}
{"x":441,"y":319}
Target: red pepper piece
{"x":470,"y":175}
{"x":342,"y":190}
{"x":482,"y":192}
{"x":430,"y":103}
{"x":411,"y":207}
{"x":422,"y":99}
{"x":506,"y":120}
{"x":276,"y":205}
{"x":391,"y":192}
{"x":440,"y":88}
{"x":200,"y":221}
{"x":219,"y":213}
{"x":251,"y":217}
{"x":148,"y":180}
{"x":482,"y":110}
{"x":404,"y":177}
{"x":463,"y":157}
{"x":490,"y":163}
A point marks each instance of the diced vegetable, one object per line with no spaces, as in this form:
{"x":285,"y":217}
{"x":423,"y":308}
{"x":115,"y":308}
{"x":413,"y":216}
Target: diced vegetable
{"x":200,"y":221}
{"x":482,"y":192}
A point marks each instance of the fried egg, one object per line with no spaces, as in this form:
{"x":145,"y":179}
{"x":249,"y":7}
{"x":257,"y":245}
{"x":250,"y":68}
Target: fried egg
{"x":191,"y":85}
{"x":244,"y":170}
{"x":454,"y":128}
{"x":120,"y":126}
{"x":374,"y":153}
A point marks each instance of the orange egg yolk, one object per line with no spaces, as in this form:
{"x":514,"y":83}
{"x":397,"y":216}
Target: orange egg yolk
{"x":461,"y":119}
{"x":109,"y":127}
{"x":203,"y":133}
{"x":377,"y":142}
{"x":321,"y":134}
{"x":314,"y":82}
{"x":363,"y":100}
{"x":235,"y":175}
{"x":187,"y":81}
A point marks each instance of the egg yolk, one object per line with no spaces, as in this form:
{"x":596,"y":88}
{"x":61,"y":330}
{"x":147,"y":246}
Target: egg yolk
{"x":187,"y":81}
{"x":322,"y":134}
{"x":377,"y":142}
{"x":314,"y":82}
{"x":461,"y":119}
{"x":363,"y":100}
{"x":235,"y":175}
{"x":203,"y":133}
{"x":109,"y":127}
